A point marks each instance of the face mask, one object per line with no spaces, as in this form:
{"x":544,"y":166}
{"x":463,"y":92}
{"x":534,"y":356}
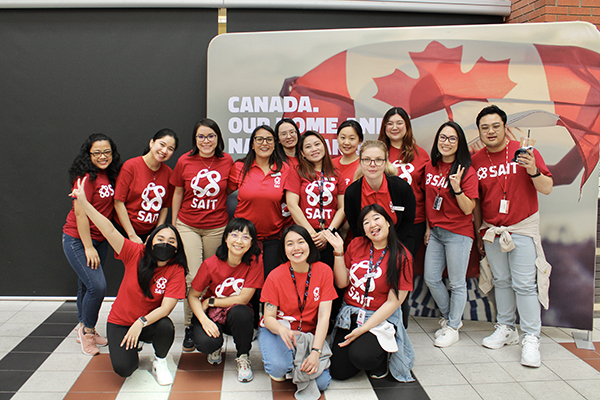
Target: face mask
{"x":163,"y":251}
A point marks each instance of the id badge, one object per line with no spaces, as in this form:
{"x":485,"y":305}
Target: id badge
{"x":504,"y":206}
{"x":437,"y":202}
{"x":360,"y":319}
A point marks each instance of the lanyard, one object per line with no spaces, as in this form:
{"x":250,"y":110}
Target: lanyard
{"x":321,"y":216}
{"x":371,"y":271}
{"x":301,"y":304}
{"x":505,"y":175}
{"x":445,"y":174}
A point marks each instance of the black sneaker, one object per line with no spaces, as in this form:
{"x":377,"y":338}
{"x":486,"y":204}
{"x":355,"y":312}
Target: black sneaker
{"x":382,"y":371}
{"x":188,"y":341}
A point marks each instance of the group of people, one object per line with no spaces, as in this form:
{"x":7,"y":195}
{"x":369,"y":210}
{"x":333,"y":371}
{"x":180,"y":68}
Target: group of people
{"x":316,"y":245}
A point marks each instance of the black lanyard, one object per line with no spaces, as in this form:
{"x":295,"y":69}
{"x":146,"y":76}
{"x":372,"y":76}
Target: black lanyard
{"x":372,"y":269}
{"x":321,"y":216}
{"x":301,"y":304}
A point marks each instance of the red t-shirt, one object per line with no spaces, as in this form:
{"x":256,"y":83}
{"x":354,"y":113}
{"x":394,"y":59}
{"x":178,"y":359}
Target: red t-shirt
{"x":204,"y":181}
{"x":100,"y":194}
{"x":280,"y":291}
{"x":223,"y":280}
{"x":309,"y":197}
{"x":130,"y":304}
{"x":260,"y":197}
{"x":499,"y":175}
{"x":381,"y":197}
{"x":292,"y":162}
{"x":449,"y":217}
{"x":357,"y":263}
{"x":144,"y":192}
{"x":346,"y":171}
{"x":413,"y":174}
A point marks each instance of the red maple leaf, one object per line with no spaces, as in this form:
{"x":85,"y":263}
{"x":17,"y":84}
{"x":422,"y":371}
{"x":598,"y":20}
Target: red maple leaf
{"x":441,"y":82}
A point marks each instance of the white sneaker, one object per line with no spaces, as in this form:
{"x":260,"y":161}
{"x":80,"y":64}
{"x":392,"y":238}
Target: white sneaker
{"x":503,"y":335}
{"x":161,"y":372}
{"x":444,"y":323}
{"x":244,"y":369}
{"x":215,"y":358}
{"x":448,"y":337}
{"x":530,"y":355}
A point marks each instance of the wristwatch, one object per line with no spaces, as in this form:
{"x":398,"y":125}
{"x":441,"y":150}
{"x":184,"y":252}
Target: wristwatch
{"x":144,"y":321}
{"x":211,"y":302}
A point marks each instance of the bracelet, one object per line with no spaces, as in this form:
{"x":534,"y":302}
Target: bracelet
{"x":315,"y":349}
{"x":336,"y":254}
{"x":458,"y":193}
{"x":538,"y":173}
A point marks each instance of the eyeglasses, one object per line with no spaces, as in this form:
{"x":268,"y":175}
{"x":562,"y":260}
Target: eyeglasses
{"x":495,"y":127}
{"x":291,"y":133}
{"x":210,"y":137}
{"x":367,"y":161}
{"x":260,"y":139}
{"x":235,"y":235}
{"x":451,"y":139}
{"x":98,"y":154}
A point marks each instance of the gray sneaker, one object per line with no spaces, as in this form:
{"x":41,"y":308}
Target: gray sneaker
{"x":215,"y":358}
{"x":244,"y":369}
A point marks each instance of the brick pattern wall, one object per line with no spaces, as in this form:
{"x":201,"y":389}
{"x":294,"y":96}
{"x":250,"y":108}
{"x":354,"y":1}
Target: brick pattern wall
{"x":555,"y":10}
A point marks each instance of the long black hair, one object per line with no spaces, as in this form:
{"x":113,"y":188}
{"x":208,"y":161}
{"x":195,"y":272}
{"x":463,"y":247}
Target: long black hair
{"x":148,"y":263}
{"x":209,"y":123}
{"x":396,"y":250}
{"x":82,"y":164}
{"x":274,"y":160}
{"x":161,"y":134}
{"x":462,"y":157}
{"x":238,"y":224}
{"x":313,"y":253}
{"x":279,"y":146}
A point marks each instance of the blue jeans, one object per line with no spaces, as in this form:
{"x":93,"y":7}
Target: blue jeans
{"x":91,"y":282}
{"x":448,"y":249}
{"x":515,"y":284}
{"x":279,"y":360}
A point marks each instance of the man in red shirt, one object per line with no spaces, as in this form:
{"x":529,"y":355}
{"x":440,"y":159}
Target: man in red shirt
{"x":508,"y":210}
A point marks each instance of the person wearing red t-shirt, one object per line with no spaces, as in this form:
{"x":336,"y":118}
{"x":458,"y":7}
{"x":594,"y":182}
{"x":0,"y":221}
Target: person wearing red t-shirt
{"x":260,"y":180}
{"x":143,"y":193}
{"x":199,"y":206}
{"x":297,"y":296}
{"x":349,"y":137}
{"x":410,"y":159}
{"x":83,"y":244}
{"x":153,"y":281}
{"x":377,"y":272}
{"x":508,"y":186}
{"x":230,"y":278}
{"x":449,"y":235}
{"x":287,"y":134}
{"x":315,"y":192}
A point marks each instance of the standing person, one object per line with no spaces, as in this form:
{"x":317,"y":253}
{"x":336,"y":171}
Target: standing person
{"x":200,"y":202}
{"x":449,"y":235}
{"x":143,"y":193}
{"x":410,"y":159}
{"x":230,"y":278}
{"x":153,"y":281}
{"x":349,"y":137}
{"x":84,"y":245}
{"x":509,"y":221}
{"x":315,"y":192}
{"x":377,"y":272}
{"x":260,"y":180}
{"x":297,"y":297}
{"x":287,"y":134}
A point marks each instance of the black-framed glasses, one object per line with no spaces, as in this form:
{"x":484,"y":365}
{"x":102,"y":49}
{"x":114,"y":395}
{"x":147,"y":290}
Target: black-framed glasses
{"x":368,"y":161}
{"x":260,"y":139}
{"x":451,"y":139}
{"x":98,"y":154}
{"x":210,"y":137}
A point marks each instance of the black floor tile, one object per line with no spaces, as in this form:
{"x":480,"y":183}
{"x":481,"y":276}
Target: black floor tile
{"x":59,"y":317}
{"x":408,"y":393}
{"x":38,"y":344}
{"x":6,"y":395}
{"x":68,"y":306}
{"x":11,"y":381}
{"x":56,"y":330}
{"x":14,"y":361}
{"x":389,"y":382}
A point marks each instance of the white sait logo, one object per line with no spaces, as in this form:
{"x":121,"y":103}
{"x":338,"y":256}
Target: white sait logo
{"x":312,"y":193}
{"x":317,"y":293}
{"x":360,"y":282}
{"x":161,"y":285}
{"x":405,"y":171}
{"x":106,"y":191}
{"x":277,"y":182}
{"x":212,"y":189}
{"x":236,"y":286}
{"x":157,"y":192}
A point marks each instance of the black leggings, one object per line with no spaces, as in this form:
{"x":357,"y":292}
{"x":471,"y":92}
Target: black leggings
{"x":239,"y":324}
{"x":124,"y":362}
{"x":363,"y":354}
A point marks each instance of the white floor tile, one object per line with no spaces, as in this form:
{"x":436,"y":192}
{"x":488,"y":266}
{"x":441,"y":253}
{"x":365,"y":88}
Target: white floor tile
{"x":65,"y":362}
{"x":558,"y":390}
{"x":556,"y":334}
{"x":360,"y":381}
{"x":31,"y":317}
{"x":436,"y":375}
{"x":526,"y":374}
{"x":7,"y":343}
{"x":421,"y":340}
{"x":260,"y":382}
{"x":21,"y":330}
{"x":572,"y":369}
{"x":6,"y":315}
{"x":43,"y":306}
{"x":484,"y":373}
{"x":452,"y":392}
{"x":142,"y":396}
{"x":143,"y":381}
{"x":50,"y":381}
{"x":502,"y":391}
{"x":346,"y":394}
{"x":590,"y":389}
{"x":461,"y":355}
{"x":10,"y":305}
{"x":20,"y":395}
{"x":430,"y":356}
{"x":249,"y":395}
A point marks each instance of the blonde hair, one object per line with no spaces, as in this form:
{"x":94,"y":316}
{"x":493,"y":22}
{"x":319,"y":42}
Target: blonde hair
{"x":390,"y":169}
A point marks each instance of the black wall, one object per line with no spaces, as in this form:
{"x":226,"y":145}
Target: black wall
{"x":125,"y":72}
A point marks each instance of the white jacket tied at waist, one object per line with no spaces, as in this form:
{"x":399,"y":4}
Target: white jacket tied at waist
{"x":530,"y":226}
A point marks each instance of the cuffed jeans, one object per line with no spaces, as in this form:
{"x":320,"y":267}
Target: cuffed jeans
{"x":279,"y":360}
{"x":448,"y":249}
{"x":91,"y":282}
{"x":515,"y":283}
